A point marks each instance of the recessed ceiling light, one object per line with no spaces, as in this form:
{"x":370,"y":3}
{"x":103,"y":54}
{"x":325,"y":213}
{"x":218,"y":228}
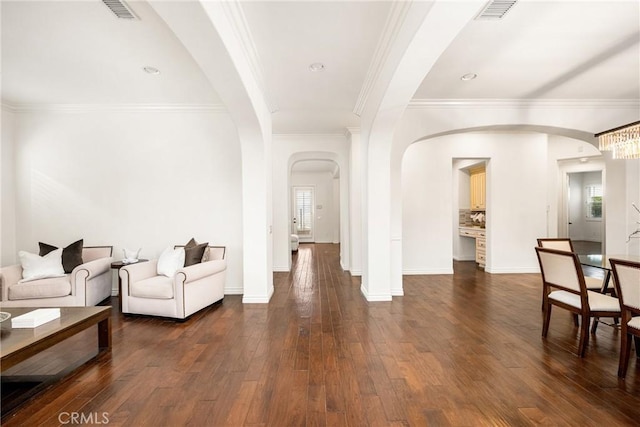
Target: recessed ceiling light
{"x":151,"y":70}
{"x":316,"y":66}
{"x":469,"y":76}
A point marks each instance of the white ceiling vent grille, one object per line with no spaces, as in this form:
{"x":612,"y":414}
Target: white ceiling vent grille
{"x":496,"y":9}
{"x":120,"y":9}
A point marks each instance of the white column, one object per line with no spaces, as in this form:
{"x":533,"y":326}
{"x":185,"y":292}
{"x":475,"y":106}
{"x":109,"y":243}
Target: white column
{"x":257,"y":219}
{"x":376,"y":276}
{"x":355,"y":201}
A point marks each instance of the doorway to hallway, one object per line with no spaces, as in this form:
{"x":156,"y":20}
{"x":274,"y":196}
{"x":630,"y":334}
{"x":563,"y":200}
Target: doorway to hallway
{"x":585,"y":201}
{"x":303,"y":217}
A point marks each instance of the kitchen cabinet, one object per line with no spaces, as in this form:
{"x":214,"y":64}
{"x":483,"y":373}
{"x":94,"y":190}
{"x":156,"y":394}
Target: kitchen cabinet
{"x":481,"y":249}
{"x":481,"y":242}
{"x":477,"y":187}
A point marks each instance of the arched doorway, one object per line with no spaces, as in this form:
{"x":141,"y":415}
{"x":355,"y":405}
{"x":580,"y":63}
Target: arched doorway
{"x":314,"y":202}
{"x":523,"y":188}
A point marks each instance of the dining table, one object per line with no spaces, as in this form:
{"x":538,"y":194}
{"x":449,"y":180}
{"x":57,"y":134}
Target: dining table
{"x":601,"y":261}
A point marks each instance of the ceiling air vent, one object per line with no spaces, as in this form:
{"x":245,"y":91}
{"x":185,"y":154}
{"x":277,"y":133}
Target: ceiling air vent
{"x":120,"y":9}
{"x":496,"y":9}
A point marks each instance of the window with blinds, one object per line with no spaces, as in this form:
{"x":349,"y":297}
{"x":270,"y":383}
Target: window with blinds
{"x":304,"y":210}
{"x":593,"y":198}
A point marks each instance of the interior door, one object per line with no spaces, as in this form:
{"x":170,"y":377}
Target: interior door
{"x":302,"y":215}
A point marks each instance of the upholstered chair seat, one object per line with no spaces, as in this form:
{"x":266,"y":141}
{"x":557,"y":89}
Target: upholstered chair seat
{"x":154,"y":287}
{"x":43,"y":288}
{"x":597,"y":301}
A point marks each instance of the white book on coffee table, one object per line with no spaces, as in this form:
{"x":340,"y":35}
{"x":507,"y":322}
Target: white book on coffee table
{"x":35,"y":318}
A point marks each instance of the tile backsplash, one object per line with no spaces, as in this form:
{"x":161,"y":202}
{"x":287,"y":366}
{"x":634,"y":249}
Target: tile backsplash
{"x":464,"y":218}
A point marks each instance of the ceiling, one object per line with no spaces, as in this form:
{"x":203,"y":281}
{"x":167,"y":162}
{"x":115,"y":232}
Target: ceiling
{"x":77,"y":52}
{"x":313,"y":166}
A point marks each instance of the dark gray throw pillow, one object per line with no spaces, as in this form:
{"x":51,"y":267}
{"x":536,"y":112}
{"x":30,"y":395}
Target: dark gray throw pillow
{"x":71,"y":255}
{"x":193,"y":252}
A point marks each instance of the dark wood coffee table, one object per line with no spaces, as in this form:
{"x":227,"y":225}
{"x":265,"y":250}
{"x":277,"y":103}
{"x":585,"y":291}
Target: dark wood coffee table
{"x":18,"y":345}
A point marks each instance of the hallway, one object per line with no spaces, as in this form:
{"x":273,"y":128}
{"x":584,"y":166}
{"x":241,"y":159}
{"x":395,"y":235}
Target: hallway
{"x":455,"y":350}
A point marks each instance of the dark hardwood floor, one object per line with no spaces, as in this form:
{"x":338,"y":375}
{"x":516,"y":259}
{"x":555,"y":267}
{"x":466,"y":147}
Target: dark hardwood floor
{"x":584,"y":247}
{"x":456,"y":350}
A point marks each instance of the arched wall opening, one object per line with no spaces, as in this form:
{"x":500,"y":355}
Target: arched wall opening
{"x":314,"y":201}
{"x":522,"y":194}
{"x":425,"y":120}
{"x":288,"y":162}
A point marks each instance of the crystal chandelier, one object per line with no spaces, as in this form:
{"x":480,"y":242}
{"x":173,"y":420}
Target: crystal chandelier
{"x":623,"y":141}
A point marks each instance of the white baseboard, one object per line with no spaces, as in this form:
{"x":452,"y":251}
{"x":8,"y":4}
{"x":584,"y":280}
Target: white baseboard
{"x":512,"y":270}
{"x":464,"y":258}
{"x":374,"y":298}
{"x":233,"y":290}
{"x":397,"y":292}
{"x":356,"y":272}
{"x":280,"y":269}
{"x":258,"y":299}
{"x":419,"y":271}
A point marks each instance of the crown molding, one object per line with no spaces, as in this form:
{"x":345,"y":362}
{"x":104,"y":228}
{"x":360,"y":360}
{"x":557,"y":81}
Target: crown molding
{"x":524,"y":103}
{"x":126,"y":108}
{"x":390,"y":32}
{"x":238,"y":20}
{"x":349,"y":131}
{"x":309,"y":135}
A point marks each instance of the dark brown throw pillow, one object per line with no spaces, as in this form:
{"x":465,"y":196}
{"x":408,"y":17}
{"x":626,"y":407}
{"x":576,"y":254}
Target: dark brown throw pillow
{"x":71,"y":255}
{"x":193,"y":252}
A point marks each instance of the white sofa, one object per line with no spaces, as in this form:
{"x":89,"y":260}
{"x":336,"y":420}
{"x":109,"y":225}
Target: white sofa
{"x":88,"y":284}
{"x":190,"y":290}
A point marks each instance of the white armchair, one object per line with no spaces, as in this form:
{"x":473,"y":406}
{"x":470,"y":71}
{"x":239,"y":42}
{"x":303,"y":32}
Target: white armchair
{"x":88,"y":284}
{"x":190,"y":290}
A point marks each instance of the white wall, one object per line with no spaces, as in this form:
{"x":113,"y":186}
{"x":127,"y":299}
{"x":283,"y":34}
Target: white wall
{"x":130,"y":179}
{"x":516,"y":200}
{"x":632,"y":168}
{"x":8,"y":254}
{"x":622,"y":189}
{"x":325,"y":221}
{"x":336,"y":209}
{"x":576,"y":218}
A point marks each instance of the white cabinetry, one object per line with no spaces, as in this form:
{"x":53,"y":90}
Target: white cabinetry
{"x":481,"y":242}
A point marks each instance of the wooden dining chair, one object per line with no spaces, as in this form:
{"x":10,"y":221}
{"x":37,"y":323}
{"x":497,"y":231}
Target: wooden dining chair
{"x":627,"y":282}
{"x":565,"y":244}
{"x":559,"y":243}
{"x":564,"y":286}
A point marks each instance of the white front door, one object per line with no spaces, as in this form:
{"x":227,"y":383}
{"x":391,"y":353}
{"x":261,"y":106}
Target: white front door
{"x":303,"y":203}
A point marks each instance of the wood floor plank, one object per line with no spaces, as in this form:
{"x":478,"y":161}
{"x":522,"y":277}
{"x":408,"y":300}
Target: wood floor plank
{"x":455,"y":350}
